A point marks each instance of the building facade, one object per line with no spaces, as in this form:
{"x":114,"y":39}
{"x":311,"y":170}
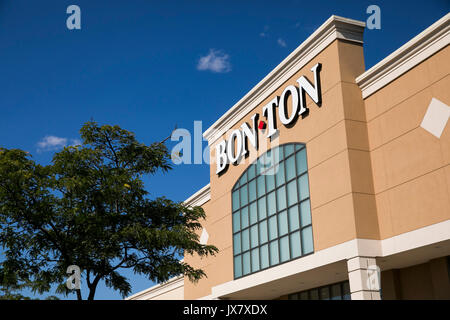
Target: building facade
{"x":329,"y":181}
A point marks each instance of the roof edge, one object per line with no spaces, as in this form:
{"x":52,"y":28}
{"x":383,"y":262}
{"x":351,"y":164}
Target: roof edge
{"x":200,"y":197}
{"x":159,"y":288}
{"x":416,"y":50}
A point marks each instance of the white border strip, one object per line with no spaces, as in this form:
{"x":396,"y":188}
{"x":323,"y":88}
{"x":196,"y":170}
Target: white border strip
{"x":421,"y":47}
{"x":415,"y":239}
{"x":159,"y":289}
{"x":200,"y":197}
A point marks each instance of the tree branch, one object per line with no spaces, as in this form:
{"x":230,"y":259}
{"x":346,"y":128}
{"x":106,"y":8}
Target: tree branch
{"x":116,"y":159}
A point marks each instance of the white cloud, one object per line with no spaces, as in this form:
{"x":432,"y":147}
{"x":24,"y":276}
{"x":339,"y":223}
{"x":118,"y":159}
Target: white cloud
{"x":51,"y":143}
{"x":281,"y":42}
{"x":216,"y":61}
{"x":265,"y":32}
{"x":75,"y":142}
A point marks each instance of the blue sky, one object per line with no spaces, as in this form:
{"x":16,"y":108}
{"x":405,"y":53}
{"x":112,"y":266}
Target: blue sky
{"x":148,"y":66}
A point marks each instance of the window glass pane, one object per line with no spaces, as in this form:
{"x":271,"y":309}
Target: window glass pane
{"x":254,"y":236}
{"x":263,"y":231}
{"x":267,"y":159}
{"x":292,"y":192}
{"x":274,"y":258}
{"x":252,"y":190}
{"x":336,"y":292}
{"x":236,"y":221}
{"x":274,"y":156}
{"x":251,"y":172}
{"x":324,"y":293}
{"x":281,"y":198}
{"x":245,"y":240}
{"x":279,"y":174}
{"x":314,"y":294}
{"x":237,"y":266}
{"x":243,"y":179}
{"x":284,"y":249}
{"x":283,"y":223}
{"x":264,"y":256}
{"x":237,"y":243}
{"x":271,"y":214}
{"x":303,"y":187}
{"x":270,"y":180}
{"x":290,"y":168}
{"x":244,"y":218}
{"x":253,"y":213}
{"x":235,"y":200}
{"x":293,"y":218}
{"x":259,"y":166}
{"x":261,"y":185}
{"x":288,"y":149}
{"x":244,"y":195}
{"x":255,"y":260}
{"x":305,"y":211}
{"x":271,"y":203}
{"x":346,"y":290}
{"x":307,"y":240}
{"x":273,"y":232}
{"x":296,"y":248}
{"x":262,"y":213}
{"x":277,"y":155}
{"x":301,"y":161}
{"x":246,"y":263}
{"x":304,"y":295}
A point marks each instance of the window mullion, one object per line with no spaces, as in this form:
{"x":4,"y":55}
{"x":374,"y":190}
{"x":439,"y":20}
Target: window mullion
{"x":287,"y":202}
{"x":281,"y":160}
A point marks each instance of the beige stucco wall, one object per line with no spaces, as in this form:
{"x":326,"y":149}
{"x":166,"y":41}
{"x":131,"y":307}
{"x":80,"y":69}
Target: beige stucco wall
{"x":410,"y":166}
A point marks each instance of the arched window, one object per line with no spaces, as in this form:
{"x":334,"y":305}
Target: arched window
{"x":271,"y":211}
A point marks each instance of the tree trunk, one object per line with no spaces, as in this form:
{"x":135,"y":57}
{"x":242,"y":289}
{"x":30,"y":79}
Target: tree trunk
{"x":93,"y":287}
{"x":91,"y":294}
{"x":79,"y":297}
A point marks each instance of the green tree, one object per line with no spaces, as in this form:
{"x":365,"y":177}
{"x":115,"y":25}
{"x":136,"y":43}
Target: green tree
{"x":89,"y":208}
{"x":10,"y":286}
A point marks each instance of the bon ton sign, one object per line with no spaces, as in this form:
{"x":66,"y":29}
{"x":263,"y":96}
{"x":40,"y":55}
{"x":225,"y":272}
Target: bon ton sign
{"x":233,"y":149}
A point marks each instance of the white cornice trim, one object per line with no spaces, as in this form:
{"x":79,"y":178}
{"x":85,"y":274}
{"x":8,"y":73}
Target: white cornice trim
{"x":415,"y":239}
{"x":334,"y":28}
{"x":422,"y":46}
{"x":152,"y":292}
{"x":200,"y":197}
